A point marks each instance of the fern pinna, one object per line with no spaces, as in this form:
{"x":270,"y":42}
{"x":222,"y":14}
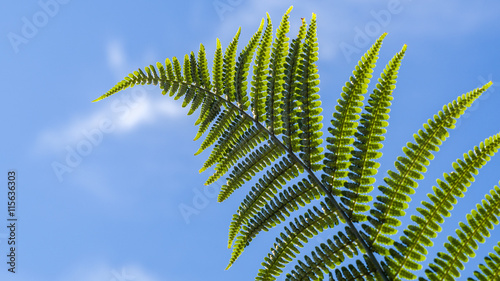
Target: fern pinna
{"x":267,"y":130}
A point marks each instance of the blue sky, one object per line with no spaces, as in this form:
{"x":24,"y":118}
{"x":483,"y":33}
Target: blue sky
{"x":114,"y":213}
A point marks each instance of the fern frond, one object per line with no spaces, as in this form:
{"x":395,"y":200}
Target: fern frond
{"x":345,"y":119}
{"x":364,"y":270}
{"x":401,"y":184}
{"x":218,"y":78}
{"x":161,"y":71}
{"x":411,"y":251}
{"x":327,"y":256}
{"x":228,"y":137}
{"x":221,"y":124}
{"x":189,"y":68}
{"x":288,"y":201}
{"x":199,"y":95}
{"x":228,"y":67}
{"x":171,"y":79}
{"x":193,"y":68}
{"x":268,"y":217}
{"x":213,"y":104}
{"x":188,"y":72}
{"x":213,"y":110}
{"x":207,"y":100}
{"x":204,"y":76}
{"x":283,"y":99}
{"x":184,"y":88}
{"x":309,"y":115}
{"x":301,"y":230}
{"x":276,"y":74}
{"x":490,"y":271}
{"x":177,"y":70}
{"x":151,"y":71}
{"x":291,"y":91}
{"x":250,"y":139}
{"x":265,"y":190}
{"x":260,"y":72}
{"x":479,"y":223}
{"x":242,"y":67}
{"x":257,"y":160}
{"x":368,"y":142}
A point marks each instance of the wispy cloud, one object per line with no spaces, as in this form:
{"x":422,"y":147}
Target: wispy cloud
{"x":120,"y":114}
{"x":123,"y":114}
{"x":115,"y":55}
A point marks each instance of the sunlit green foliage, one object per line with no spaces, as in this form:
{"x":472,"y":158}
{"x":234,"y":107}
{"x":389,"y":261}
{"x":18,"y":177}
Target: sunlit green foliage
{"x":266,"y":130}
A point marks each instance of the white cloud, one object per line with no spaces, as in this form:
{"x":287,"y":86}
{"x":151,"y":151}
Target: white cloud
{"x":122,"y":113}
{"x":115,"y":55}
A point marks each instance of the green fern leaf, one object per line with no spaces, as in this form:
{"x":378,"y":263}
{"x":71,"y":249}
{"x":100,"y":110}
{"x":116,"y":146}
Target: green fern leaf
{"x":264,"y":191}
{"x":237,"y":127}
{"x":213,"y":110}
{"x":309,"y":115}
{"x":228,"y":67}
{"x":207,"y":99}
{"x":368,"y":141}
{"x":268,"y":217}
{"x":490,"y":271}
{"x":276,"y":74}
{"x":214,"y":104}
{"x":402,"y":183}
{"x":242,"y":67}
{"x":283,"y":100}
{"x":244,"y":171}
{"x":364,"y":270}
{"x":222,"y":123}
{"x":199,"y":95}
{"x":188,"y":76}
{"x":185,"y":84}
{"x":291,"y":92}
{"x":305,"y":227}
{"x":328,"y":256}
{"x":411,"y":250}
{"x":250,"y":139}
{"x":260,"y":72}
{"x":177,"y":69}
{"x":479,"y":223}
{"x":345,"y":120}
{"x":217,"y":70}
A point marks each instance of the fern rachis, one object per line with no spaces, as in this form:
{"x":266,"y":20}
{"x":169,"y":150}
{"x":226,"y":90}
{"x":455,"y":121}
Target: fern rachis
{"x":270,"y":134}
